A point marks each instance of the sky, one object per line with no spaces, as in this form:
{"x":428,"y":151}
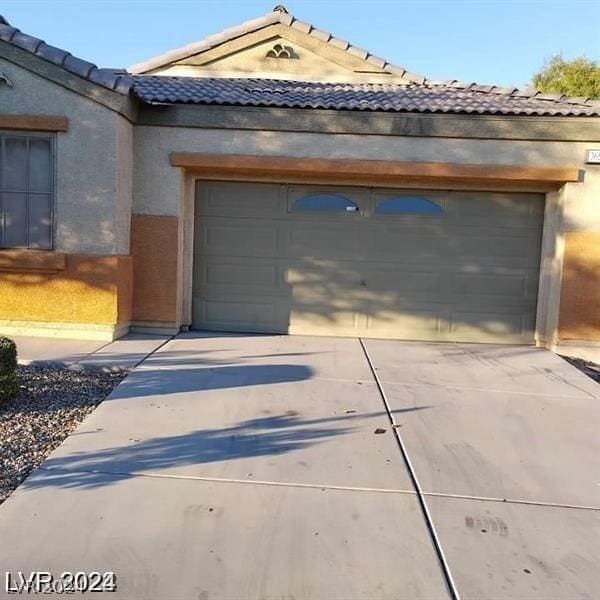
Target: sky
{"x":502,"y":42}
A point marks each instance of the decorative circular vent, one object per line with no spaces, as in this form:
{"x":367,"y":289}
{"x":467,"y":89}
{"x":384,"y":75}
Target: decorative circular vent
{"x":280,"y":51}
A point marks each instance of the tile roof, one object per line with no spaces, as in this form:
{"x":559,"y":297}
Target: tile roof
{"x":422,"y":95}
{"x":108,"y":78}
{"x":278,"y":15}
{"x":429,"y":97}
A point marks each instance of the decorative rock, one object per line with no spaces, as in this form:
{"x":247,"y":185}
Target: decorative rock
{"x":50,"y":403}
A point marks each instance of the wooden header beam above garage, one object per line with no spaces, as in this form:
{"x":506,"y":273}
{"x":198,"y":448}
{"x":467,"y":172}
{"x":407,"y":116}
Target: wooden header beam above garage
{"x":370,"y":172}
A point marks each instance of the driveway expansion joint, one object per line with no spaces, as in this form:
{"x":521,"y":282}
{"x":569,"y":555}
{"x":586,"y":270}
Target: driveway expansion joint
{"x":510,"y":501}
{"x":489,"y":390}
{"x":445,"y":567}
{"x":319,"y":486}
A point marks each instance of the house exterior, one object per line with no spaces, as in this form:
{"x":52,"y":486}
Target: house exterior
{"x":275,"y":178}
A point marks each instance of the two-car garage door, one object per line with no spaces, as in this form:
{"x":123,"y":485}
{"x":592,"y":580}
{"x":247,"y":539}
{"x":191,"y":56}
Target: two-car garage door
{"x":353,"y":261}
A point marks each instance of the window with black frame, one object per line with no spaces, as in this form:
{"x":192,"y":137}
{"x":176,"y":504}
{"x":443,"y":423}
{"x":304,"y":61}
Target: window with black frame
{"x":26,"y":190}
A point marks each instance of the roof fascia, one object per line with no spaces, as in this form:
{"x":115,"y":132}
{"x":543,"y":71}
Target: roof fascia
{"x":125,"y":105}
{"x":458,"y":126}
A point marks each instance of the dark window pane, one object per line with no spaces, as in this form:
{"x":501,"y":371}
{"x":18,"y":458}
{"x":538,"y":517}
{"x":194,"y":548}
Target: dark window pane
{"x":26,"y":185}
{"x":416,"y":205}
{"x":325,"y":202}
{"x":14,"y":164}
{"x":40,"y":165}
{"x":15,"y":219}
{"x":40,"y":221}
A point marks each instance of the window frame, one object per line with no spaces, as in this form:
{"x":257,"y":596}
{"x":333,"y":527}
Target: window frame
{"x":28,"y":135}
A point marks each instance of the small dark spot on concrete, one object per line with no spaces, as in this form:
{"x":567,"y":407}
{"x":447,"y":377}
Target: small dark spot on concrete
{"x":211,"y":509}
{"x":316,"y":533}
{"x":292,"y":413}
{"x":379,"y":430}
{"x":527,"y":571}
{"x":484,"y":531}
{"x":349,"y":412}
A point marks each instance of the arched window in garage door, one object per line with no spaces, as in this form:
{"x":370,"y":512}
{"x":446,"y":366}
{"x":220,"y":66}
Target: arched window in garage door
{"x":410,"y":205}
{"x":325,"y":202}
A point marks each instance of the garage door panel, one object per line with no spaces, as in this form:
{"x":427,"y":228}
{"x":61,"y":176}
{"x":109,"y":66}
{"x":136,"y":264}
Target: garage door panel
{"x":490,"y":285}
{"x":235,"y":314}
{"x":491,"y":248}
{"x":407,"y":246}
{"x":467,"y":274}
{"x":516,"y":210}
{"x":313,"y":319}
{"x":239,"y":199}
{"x":475,"y":326}
{"x":249,"y":272}
{"x":402,"y":282}
{"x":414,"y":321}
{"x":319,"y":270}
{"x":282,"y":315}
{"x":235,"y":236}
{"x":323,"y":239}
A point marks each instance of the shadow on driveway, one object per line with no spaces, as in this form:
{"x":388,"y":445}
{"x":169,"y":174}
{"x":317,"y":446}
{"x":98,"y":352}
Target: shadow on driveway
{"x":161,"y":381}
{"x":270,"y":435}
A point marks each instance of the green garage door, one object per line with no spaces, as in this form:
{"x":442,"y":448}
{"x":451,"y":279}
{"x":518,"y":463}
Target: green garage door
{"x":405,"y":264}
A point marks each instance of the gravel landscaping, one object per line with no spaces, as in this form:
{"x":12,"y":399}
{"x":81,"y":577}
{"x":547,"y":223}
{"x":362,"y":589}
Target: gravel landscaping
{"x":50,"y":403}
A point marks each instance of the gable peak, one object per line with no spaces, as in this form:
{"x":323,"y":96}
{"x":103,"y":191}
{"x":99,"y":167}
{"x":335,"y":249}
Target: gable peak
{"x":279,"y":24}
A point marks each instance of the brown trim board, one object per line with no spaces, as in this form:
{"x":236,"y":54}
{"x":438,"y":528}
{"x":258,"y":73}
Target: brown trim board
{"x":375,"y":171}
{"x":34,"y":122}
{"x":31,"y":260}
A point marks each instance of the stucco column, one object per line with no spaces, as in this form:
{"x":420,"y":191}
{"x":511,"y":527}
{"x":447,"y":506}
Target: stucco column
{"x":553,"y":247}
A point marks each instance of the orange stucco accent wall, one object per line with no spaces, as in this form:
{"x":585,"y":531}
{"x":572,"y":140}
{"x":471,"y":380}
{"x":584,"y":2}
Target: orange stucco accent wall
{"x":580,"y":295}
{"x":83,"y":289}
{"x":154,"y":247}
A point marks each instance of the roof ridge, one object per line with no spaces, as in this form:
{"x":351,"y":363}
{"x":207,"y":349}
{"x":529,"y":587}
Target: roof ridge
{"x":104,"y":77}
{"x":278,"y":15}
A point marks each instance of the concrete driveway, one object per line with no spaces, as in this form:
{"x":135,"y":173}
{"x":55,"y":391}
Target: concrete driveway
{"x":263,"y":467}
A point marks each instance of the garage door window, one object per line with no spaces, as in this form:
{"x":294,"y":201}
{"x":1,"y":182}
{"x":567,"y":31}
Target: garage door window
{"x":411,"y":205}
{"x":324,"y":202}
{"x":26,"y":190}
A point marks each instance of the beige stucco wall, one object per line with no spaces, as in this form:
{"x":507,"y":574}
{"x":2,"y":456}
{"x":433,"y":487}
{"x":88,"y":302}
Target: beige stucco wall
{"x":160,"y":189}
{"x":305,"y":65}
{"x":312,"y":59}
{"x":93,"y":163}
{"x":157,"y":185}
